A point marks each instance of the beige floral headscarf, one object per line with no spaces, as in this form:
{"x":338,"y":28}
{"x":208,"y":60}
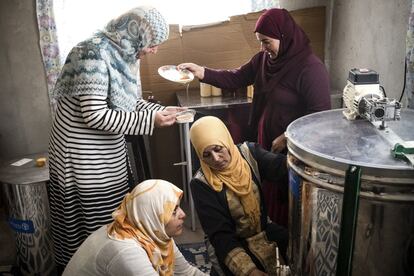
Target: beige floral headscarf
{"x":142,"y":216}
{"x":137,"y":29}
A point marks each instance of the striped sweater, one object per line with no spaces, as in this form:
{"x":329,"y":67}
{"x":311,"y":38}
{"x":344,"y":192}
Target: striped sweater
{"x":88,"y":165}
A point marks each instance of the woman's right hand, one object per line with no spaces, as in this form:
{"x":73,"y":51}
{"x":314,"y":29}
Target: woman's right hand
{"x":257,"y":272}
{"x":164,"y":118}
{"x":197,"y":70}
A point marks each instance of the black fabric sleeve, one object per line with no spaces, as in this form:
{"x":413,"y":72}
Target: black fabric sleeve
{"x":215,"y":218}
{"x":272,"y":166}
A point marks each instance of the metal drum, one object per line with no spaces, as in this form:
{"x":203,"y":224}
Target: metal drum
{"x":25,"y":188}
{"x":321,"y":148}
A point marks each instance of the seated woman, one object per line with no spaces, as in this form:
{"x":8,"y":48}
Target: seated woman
{"x":229,"y":201}
{"x":139,"y":240}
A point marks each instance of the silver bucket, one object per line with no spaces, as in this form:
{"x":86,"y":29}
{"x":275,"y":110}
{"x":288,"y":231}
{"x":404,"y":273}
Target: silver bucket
{"x":25,"y":190}
{"x":321,"y":148}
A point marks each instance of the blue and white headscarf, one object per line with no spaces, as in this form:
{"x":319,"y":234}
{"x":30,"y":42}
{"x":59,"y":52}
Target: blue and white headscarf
{"x":106,"y":64}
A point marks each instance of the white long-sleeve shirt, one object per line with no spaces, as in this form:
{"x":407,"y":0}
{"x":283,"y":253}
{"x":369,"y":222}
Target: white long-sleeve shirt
{"x":101,"y":255}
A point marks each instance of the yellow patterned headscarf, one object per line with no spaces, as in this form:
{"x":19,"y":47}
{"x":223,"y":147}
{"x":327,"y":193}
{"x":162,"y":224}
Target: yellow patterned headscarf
{"x":237,"y":176}
{"x":142,"y":216}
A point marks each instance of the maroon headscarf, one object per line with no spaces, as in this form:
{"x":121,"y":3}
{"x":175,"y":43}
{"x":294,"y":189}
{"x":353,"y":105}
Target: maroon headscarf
{"x":293,"y":50}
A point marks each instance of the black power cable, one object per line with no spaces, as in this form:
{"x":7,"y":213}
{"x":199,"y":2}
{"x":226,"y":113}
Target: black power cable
{"x":383,"y":91}
{"x":405,"y":79}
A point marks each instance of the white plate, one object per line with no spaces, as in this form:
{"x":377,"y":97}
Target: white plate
{"x":186,"y":116}
{"x":171,"y":73}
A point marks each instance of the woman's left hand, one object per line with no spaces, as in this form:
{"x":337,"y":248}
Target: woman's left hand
{"x":279,"y":144}
{"x":164,"y":118}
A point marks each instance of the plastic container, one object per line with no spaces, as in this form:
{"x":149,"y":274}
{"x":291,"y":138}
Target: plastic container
{"x":250,"y":91}
{"x":205,"y":89}
{"x":215,"y":91}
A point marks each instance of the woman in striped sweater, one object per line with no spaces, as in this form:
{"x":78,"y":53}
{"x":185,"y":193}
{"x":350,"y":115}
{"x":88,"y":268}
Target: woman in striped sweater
{"x":99,"y":101}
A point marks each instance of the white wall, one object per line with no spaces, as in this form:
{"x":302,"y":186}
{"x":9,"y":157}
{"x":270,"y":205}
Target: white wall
{"x":365,"y":34}
{"x":24,"y":108}
{"x":369,"y":34}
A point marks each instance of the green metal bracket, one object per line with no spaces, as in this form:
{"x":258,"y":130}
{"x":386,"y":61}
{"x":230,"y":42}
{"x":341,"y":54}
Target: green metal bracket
{"x":404,"y":151}
{"x":350,"y":206}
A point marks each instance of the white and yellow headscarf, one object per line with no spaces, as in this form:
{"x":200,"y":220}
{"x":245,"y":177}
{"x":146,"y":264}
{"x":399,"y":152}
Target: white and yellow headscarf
{"x":209,"y":131}
{"x":143,"y":215}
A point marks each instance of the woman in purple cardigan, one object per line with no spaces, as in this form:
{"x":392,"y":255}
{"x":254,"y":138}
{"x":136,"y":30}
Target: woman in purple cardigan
{"x":289,"y":82}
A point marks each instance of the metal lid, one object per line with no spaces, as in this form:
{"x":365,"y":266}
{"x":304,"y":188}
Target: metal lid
{"x":331,"y":141}
{"x":28,"y":173}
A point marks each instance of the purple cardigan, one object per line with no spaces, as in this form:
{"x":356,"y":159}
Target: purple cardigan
{"x":300,"y":92}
